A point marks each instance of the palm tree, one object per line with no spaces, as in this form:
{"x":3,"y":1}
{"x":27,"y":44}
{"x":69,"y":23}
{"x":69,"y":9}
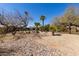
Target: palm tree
{"x":37,"y":24}
{"x":42,"y":18}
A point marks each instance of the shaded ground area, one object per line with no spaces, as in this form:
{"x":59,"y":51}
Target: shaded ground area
{"x":43,"y":44}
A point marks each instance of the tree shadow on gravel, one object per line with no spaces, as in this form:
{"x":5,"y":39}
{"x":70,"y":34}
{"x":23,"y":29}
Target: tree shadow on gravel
{"x":57,"y":34}
{"x":5,"y":51}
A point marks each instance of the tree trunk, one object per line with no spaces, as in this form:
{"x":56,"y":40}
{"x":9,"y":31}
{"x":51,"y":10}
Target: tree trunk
{"x":69,"y":29}
{"x":14,"y":30}
{"x":53,"y":33}
{"x":13,"y":33}
{"x":7,"y":29}
{"x":37,"y":30}
{"x":43,"y":22}
{"x":76,"y":29}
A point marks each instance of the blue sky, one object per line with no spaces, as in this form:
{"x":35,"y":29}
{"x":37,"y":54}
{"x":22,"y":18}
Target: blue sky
{"x":38,"y":9}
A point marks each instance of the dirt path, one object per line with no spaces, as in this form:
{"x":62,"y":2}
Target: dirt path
{"x":67,"y":43}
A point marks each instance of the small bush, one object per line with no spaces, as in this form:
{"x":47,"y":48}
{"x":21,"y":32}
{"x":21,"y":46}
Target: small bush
{"x":53,"y":28}
{"x":62,"y":29}
{"x":46,"y":27}
{"x":37,"y":24}
{"x":42,"y":28}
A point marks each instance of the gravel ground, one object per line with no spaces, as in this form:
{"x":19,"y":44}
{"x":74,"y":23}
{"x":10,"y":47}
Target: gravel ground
{"x":42,"y":44}
{"x":25,"y":45}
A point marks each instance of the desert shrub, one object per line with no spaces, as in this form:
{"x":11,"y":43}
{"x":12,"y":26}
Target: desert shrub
{"x":2,"y":30}
{"x":62,"y":28}
{"x":37,"y":24}
{"x":46,"y":27}
{"x":37,"y":30}
{"x":42,"y":28}
{"x":53,"y":29}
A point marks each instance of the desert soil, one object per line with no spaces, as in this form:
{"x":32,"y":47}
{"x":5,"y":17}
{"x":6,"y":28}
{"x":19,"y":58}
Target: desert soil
{"x":67,"y":43}
{"x":42,"y":44}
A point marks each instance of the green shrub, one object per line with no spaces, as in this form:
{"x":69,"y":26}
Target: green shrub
{"x":46,"y":27}
{"x":42,"y":28}
{"x":53,"y":28}
{"x":37,"y":24}
{"x":62,"y":28}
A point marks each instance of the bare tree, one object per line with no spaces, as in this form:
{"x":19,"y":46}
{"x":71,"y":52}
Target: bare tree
{"x":24,"y":18}
{"x":14,"y":20}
